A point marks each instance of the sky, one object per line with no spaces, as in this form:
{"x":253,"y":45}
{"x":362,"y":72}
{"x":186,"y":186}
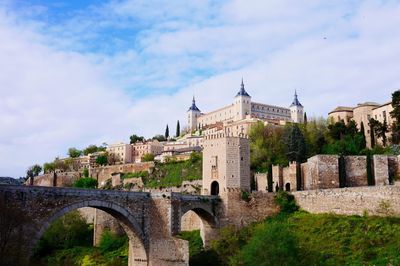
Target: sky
{"x":81,"y":72}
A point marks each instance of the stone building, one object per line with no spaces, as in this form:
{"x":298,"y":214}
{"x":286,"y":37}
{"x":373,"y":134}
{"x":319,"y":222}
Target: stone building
{"x":226,"y":164}
{"x":139,"y":149}
{"x":362,"y":113}
{"x":243,"y":108}
{"x":121,"y":151}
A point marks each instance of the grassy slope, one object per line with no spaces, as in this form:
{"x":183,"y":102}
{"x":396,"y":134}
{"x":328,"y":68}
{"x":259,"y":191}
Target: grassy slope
{"x":309,"y":239}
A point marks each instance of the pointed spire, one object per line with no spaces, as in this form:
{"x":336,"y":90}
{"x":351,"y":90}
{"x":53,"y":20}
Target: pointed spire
{"x":193,"y":107}
{"x":296,"y":101}
{"x":242,"y":91}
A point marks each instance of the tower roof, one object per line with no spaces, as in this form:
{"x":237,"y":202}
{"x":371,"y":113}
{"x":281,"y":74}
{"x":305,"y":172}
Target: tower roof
{"x":193,"y":107}
{"x":296,"y":101}
{"x":242,"y":91}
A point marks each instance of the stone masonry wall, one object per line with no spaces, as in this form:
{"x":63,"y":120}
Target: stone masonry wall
{"x":190,"y":221}
{"x":105,"y":172}
{"x":376,"y":200}
{"x":356,"y":171}
{"x":322,"y":172}
{"x":240,"y":213}
{"x":277,"y":176}
{"x":261,"y":181}
{"x":289,"y":177}
{"x":381,"y":170}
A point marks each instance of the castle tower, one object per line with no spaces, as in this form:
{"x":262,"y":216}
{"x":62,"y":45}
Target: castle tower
{"x":242,"y":104}
{"x":296,"y":110}
{"x":226,"y":164}
{"x":193,"y":114}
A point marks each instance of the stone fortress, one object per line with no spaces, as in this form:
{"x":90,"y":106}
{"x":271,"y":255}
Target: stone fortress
{"x":244,"y":108}
{"x":325,"y":183}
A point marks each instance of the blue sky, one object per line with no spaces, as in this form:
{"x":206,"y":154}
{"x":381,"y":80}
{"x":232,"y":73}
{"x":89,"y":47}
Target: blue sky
{"x":76,"y":73}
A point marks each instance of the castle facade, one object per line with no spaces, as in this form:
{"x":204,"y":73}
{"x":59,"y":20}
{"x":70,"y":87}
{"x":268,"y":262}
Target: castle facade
{"x":244,"y":108}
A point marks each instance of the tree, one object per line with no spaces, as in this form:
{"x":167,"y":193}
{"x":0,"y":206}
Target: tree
{"x":74,"y":152}
{"x":92,"y":149}
{"x":86,"y":182}
{"x":305,"y":118}
{"x":266,"y":147}
{"x":102,"y":159}
{"x":363,"y":143}
{"x":49,"y":167}
{"x":381,"y":131}
{"x":135,"y":138}
{"x":373,"y":125}
{"x":159,"y":137}
{"x":166,"y":132}
{"x":34,"y":170}
{"x":178,"y":129}
{"x":148,"y":157}
{"x":395,"y":114}
{"x":296,"y":149}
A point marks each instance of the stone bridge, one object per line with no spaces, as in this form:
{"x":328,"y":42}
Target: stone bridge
{"x":150,"y":220}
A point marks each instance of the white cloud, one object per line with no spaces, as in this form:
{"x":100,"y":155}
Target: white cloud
{"x":57,"y":92}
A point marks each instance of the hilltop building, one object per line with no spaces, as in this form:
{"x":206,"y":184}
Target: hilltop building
{"x":362,"y":113}
{"x":244,"y":108}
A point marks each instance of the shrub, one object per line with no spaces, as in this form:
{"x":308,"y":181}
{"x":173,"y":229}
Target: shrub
{"x":110,"y":241}
{"x":148,"y":157}
{"x":286,"y":202}
{"x":245,"y":195}
{"x":86,"y":182}
{"x":271,"y":244}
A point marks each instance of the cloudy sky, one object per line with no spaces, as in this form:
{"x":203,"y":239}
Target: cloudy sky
{"x":80,"y":72}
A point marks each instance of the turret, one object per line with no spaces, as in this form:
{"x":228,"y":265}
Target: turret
{"x":296,"y":110}
{"x":242,"y":104}
{"x":193,"y":114}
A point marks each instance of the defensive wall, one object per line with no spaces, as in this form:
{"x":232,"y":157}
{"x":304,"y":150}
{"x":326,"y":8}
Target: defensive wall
{"x":332,"y":171}
{"x":374,"y":200}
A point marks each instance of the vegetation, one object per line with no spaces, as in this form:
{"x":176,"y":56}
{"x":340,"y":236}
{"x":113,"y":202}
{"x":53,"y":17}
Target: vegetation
{"x":86,"y":182}
{"x":102,"y":159}
{"x":178,"y":129}
{"x":74,"y":152}
{"x":159,"y":138}
{"x":299,"y":238}
{"x":148,"y":157}
{"x":33,"y":171}
{"x":135,"y":138}
{"x":92,"y":149}
{"x":173,"y":173}
{"x":69,"y":241}
{"x":166,"y":132}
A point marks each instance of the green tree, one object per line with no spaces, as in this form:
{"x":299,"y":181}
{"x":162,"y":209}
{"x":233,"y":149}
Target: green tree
{"x":166,"y":132}
{"x":85,"y":172}
{"x":66,"y":232}
{"x":148,"y":157}
{"x":296,"y":148}
{"x":305,"y":118}
{"x":92,"y":149}
{"x":381,"y":130}
{"x":74,"y":152}
{"x":34,"y":170}
{"x":159,"y":137}
{"x":374,"y":127}
{"x":363,"y":143}
{"x":178,"y":129}
{"x":102,"y":159}
{"x":135,"y":138}
{"x":395,"y":114}
{"x":48,"y":167}
{"x":86,"y":182}
{"x":266,"y":147}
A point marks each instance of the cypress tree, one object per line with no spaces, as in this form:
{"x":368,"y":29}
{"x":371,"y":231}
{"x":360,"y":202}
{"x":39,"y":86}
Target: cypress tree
{"x":178,"y":129}
{"x":305,"y":118}
{"x":363,"y":141}
{"x":167,"y":132}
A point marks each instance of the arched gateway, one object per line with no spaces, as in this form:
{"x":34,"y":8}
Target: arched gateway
{"x":150,"y":220}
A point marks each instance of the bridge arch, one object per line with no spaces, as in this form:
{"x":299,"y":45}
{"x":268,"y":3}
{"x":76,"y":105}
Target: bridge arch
{"x":138,"y":246}
{"x":209,"y":221}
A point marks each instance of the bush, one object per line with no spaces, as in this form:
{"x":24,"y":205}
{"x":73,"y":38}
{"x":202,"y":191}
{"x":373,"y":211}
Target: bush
{"x":272,"y":244}
{"x":86,"y":182}
{"x":286,"y":202}
{"x":68,"y":231}
{"x":245,"y":196}
{"x":110,"y":241}
{"x":148,"y":157}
